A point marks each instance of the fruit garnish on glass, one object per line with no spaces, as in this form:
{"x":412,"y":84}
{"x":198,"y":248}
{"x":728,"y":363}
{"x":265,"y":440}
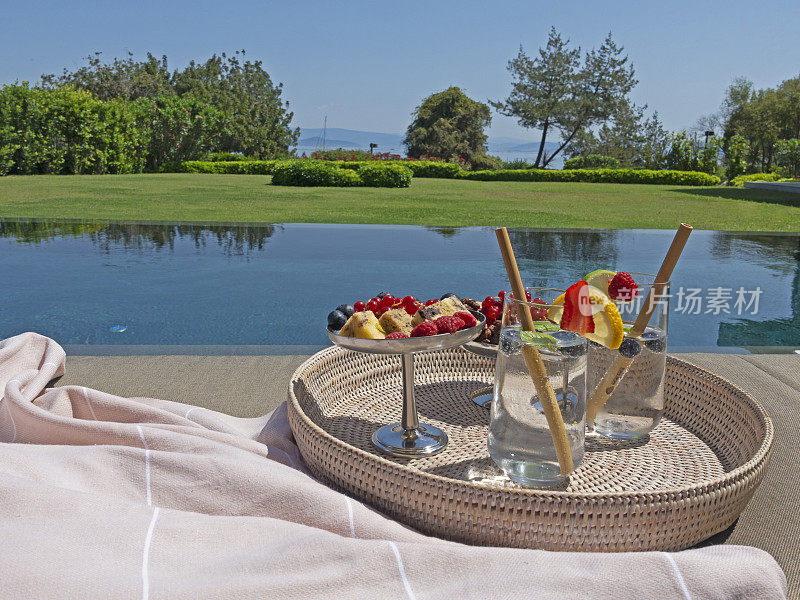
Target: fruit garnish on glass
{"x":589,"y":311}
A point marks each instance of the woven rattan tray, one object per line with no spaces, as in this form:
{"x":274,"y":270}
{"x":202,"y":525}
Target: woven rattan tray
{"x":690,"y":480}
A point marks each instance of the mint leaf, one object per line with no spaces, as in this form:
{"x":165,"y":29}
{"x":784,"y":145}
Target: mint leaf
{"x":540,"y":340}
{"x":545,"y":326}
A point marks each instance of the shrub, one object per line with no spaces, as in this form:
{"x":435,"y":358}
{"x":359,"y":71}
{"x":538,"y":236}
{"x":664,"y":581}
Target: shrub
{"x":591,"y":161}
{"x":68,"y":131}
{"x":739,"y":181}
{"x":598,"y":176}
{"x":487,"y":162}
{"x":312,"y":174}
{"x":517,"y":164}
{"x":736,"y":151}
{"x":379,"y":175}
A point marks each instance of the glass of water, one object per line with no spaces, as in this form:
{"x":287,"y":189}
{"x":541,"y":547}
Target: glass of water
{"x":520,"y":441}
{"x":636,"y":402}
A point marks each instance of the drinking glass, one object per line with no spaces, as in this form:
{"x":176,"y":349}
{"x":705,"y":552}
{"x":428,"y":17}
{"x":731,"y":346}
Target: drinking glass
{"x":520,"y":441}
{"x":636,"y":402}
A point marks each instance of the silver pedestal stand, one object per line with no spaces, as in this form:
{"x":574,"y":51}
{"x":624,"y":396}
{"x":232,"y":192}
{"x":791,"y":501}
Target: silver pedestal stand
{"x":483,"y":397}
{"x":409,"y":438}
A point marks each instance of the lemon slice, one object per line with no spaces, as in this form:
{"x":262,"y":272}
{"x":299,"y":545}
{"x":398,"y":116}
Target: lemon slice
{"x":608,"y":328}
{"x":600,"y":279}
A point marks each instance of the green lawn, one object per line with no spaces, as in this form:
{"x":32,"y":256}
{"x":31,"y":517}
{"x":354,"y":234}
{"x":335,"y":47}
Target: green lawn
{"x":442,"y":202}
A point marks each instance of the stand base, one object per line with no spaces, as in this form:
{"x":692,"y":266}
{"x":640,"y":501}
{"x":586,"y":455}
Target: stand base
{"x":483,"y":398}
{"x":426,"y":440}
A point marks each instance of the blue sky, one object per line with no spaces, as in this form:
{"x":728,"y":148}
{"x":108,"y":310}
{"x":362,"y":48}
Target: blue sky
{"x":367,"y":64}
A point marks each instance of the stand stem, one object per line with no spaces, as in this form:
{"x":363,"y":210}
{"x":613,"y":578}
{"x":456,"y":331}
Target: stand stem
{"x":409,"y":420}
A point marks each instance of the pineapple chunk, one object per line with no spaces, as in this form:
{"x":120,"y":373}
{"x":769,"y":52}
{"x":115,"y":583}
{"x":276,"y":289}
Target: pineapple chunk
{"x":396,"y":319}
{"x":363,"y":325}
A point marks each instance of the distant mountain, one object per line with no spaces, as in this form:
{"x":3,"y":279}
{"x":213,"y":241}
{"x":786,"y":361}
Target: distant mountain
{"x":314,"y":141}
{"x":352,"y":139}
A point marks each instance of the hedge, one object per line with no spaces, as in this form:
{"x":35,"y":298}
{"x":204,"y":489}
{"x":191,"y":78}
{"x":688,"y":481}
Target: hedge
{"x":452,"y":171}
{"x":419,"y":168}
{"x":591,"y":161}
{"x":243,"y":167}
{"x":597,"y":176}
{"x":739,"y":181}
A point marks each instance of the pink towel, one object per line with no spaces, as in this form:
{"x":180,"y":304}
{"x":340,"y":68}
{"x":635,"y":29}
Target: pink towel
{"x":110,"y":497}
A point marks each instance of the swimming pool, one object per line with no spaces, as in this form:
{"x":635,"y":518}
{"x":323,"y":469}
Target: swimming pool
{"x":232,"y":288}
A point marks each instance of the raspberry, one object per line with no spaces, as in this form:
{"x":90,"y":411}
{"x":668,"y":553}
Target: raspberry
{"x":397,"y":335}
{"x":425,"y":328}
{"x":448,"y":324}
{"x":359,"y":306}
{"x":468,"y":318}
{"x":622,"y":287}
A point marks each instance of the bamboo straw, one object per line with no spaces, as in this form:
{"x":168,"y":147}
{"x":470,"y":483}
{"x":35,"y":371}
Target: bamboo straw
{"x":620,"y":365}
{"x":534,"y":360}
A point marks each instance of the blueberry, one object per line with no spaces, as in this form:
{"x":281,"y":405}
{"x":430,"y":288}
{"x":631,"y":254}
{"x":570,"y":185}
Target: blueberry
{"x":655,"y":345}
{"x":382,"y":294}
{"x":346,"y":309}
{"x":448,"y":295}
{"x":336,"y":319}
{"x":630,"y":348}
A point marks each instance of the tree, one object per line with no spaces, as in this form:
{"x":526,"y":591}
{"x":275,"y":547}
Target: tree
{"x":126,"y":78}
{"x":555,"y":91}
{"x":628,"y":136}
{"x":761,"y":117}
{"x":620,"y":137}
{"x":449,"y":124}
{"x":258,"y":119}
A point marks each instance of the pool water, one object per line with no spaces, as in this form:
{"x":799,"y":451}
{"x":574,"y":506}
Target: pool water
{"x":233,"y":285}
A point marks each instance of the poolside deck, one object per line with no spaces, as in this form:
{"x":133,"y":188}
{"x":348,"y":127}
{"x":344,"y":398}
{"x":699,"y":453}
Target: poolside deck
{"x":248,"y":386}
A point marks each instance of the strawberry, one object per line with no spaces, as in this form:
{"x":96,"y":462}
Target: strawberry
{"x":577,"y":315}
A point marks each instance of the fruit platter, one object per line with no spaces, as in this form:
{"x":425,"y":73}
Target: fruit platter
{"x":405,"y":326}
{"x":386,"y":325}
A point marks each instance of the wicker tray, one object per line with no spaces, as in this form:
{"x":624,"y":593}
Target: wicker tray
{"x":690,"y":480}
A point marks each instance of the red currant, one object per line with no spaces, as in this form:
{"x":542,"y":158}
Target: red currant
{"x":429,"y":302}
{"x":527,"y":295}
{"x":412,"y":308}
{"x":409,"y":301}
{"x":374,"y":305}
{"x":387,"y":301}
{"x":359,"y":306}
{"x":502,"y":295}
